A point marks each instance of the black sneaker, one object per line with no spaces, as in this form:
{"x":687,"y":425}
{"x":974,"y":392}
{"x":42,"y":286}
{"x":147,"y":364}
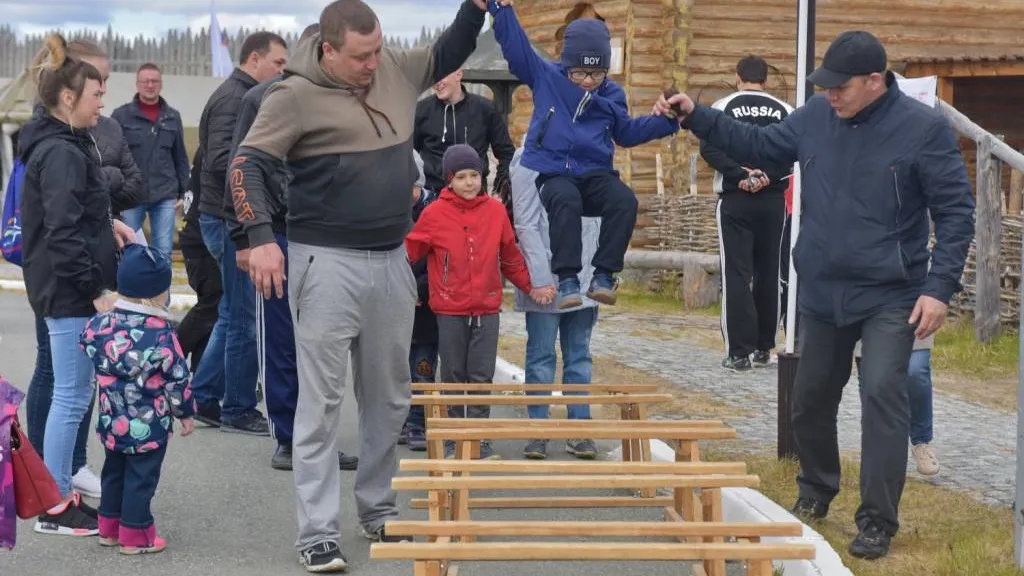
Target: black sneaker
{"x":250,"y":422}
{"x":209,"y":414}
{"x":346,"y":462}
{"x":810,"y":509}
{"x":761,"y":358}
{"x":85,"y":508}
{"x":379,"y":535}
{"x":72,"y":521}
{"x":282,"y":458}
{"x":323,"y":557}
{"x":871,"y":543}
{"x":737,"y":363}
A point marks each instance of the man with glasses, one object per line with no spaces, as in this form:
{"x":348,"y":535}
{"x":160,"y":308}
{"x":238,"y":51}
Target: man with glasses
{"x":157,"y":140}
{"x":579,"y":115}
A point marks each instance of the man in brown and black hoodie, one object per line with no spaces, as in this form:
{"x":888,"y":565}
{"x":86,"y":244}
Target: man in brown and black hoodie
{"x":343,"y":121}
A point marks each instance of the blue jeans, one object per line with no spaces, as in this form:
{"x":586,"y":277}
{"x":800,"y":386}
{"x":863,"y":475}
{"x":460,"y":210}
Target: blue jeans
{"x":422,"y":367}
{"x":234,"y":332}
{"x":40,"y":396}
{"x":161,"y":222}
{"x":129,"y":483}
{"x":281,"y":370}
{"x":73,"y":387}
{"x":919,"y":390}
{"x":573,"y":330}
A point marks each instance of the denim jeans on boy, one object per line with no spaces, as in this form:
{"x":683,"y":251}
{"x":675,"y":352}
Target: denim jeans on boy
{"x":422,"y":367}
{"x":161,"y":222}
{"x":919,"y":389}
{"x":129,"y":483}
{"x":73,"y":387}
{"x":573,"y":329}
{"x":40,"y":396}
{"x":237,"y":313}
{"x":208,"y":381}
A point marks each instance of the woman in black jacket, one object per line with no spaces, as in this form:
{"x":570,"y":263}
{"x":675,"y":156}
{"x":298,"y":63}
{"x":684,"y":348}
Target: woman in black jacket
{"x":70,"y":261}
{"x":124,"y":183}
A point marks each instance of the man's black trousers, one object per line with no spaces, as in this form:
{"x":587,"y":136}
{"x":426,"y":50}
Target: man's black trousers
{"x":750,"y":235}
{"x":595,"y":194}
{"x":826,"y":358}
{"x":195,"y":328}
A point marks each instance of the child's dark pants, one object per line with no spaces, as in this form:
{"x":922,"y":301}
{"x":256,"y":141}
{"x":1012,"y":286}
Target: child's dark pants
{"x":567,"y":200}
{"x":129,"y":483}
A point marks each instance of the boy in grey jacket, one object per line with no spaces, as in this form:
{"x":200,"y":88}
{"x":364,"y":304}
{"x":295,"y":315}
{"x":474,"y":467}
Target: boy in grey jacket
{"x":572,"y":326}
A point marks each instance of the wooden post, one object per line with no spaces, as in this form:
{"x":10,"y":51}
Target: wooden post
{"x":988,"y":241}
{"x":661,"y":174}
{"x":1016,"y":199}
{"x":693,"y":174}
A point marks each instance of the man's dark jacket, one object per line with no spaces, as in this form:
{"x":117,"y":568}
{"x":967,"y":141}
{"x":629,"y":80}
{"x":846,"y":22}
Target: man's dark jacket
{"x":158,"y":149}
{"x":123,"y":176}
{"x":216,"y":128}
{"x":472,"y":121}
{"x":869,"y":183}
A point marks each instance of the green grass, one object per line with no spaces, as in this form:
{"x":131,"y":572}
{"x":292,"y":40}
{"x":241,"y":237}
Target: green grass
{"x":957,"y":350}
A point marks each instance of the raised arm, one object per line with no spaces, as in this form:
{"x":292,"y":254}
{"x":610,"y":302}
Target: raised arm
{"x":522,"y":60}
{"x":425,"y":66}
{"x":628,"y":131}
{"x":748,"y":144}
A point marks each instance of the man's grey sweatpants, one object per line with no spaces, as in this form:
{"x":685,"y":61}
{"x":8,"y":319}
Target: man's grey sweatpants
{"x":468,"y":347}
{"x":346,"y":301}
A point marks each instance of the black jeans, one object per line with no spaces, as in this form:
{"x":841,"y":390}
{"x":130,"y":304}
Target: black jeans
{"x":468,"y":346}
{"x":567,"y":200}
{"x":826,"y":359}
{"x":195,"y":328}
{"x":129,"y":483}
{"x":40,"y":395}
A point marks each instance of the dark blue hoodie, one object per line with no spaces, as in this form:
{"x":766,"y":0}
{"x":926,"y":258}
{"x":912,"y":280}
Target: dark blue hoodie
{"x":572,"y":131}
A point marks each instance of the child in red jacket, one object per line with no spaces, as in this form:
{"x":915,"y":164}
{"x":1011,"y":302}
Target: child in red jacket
{"x":469,"y":243}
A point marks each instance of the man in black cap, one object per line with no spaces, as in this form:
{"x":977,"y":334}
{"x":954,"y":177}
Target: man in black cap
{"x":874,"y":163}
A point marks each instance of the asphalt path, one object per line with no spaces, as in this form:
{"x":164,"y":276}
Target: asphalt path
{"x":225,"y":512}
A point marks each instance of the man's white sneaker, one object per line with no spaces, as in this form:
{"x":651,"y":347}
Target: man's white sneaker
{"x":924,"y":457}
{"x":87,"y":482}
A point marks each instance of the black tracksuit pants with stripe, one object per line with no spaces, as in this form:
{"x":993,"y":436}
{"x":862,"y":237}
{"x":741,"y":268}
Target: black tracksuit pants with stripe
{"x":750,"y":230}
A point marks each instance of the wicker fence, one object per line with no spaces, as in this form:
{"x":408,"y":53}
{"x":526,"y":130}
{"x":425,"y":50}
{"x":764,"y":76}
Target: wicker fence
{"x":688,"y":224}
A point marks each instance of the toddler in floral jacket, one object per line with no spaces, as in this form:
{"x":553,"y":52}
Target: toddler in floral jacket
{"x":143,"y":382}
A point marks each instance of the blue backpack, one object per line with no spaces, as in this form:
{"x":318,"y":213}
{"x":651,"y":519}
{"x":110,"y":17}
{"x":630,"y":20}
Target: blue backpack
{"x":10,"y":224}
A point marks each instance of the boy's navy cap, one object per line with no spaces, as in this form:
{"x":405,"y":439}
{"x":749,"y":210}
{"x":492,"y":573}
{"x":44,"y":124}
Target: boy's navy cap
{"x":588,"y":44}
{"x":852,"y":53}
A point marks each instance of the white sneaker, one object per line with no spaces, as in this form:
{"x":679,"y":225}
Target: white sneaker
{"x":87,"y":482}
{"x":924,"y":457}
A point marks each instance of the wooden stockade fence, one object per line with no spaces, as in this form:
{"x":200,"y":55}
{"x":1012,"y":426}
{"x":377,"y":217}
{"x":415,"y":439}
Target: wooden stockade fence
{"x":180,"y":52}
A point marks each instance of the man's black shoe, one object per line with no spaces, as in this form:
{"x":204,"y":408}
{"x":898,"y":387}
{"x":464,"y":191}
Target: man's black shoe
{"x":282,"y":458}
{"x":810,"y":509}
{"x":871,"y":543}
{"x":346,"y":462}
{"x":209,"y":414}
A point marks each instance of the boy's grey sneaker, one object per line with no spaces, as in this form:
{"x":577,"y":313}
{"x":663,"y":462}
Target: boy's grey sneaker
{"x":323,"y":558}
{"x":602,"y":289}
{"x":568,"y":294}
{"x":737,"y":363}
{"x":581,"y":448}
{"x":536,"y":450}
{"x":761,"y":358}
{"x":487,"y":451}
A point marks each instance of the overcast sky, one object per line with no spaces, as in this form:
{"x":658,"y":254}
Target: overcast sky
{"x":155,"y":17}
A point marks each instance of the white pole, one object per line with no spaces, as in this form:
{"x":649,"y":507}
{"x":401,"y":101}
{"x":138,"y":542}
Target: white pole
{"x":794,"y":223}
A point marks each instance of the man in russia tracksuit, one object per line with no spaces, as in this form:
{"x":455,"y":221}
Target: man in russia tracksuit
{"x":751,"y":215}
{"x":579,"y":115}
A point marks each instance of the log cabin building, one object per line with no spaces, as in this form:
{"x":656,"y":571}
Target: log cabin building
{"x":976,"y":49}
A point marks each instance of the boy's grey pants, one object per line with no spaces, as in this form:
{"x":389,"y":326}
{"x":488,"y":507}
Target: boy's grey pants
{"x":468,"y":346}
{"x":346,"y":301}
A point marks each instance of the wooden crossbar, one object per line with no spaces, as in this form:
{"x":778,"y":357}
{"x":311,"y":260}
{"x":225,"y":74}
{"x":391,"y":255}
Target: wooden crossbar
{"x":517,"y":387}
{"x":526,"y":551}
{"x":620,"y":431}
{"x":585,"y":529}
{"x":548,"y":502}
{"x":562,"y":467}
{"x":573,"y":482}
{"x":539,"y":423}
{"x":495,"y":399}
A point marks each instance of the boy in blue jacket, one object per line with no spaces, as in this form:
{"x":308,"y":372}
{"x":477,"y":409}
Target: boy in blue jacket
{"x":579,"y":115}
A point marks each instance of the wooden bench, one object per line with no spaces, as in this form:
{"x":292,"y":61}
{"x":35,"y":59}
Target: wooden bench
{"x":705,"y":541}
{"x":633,"y":406}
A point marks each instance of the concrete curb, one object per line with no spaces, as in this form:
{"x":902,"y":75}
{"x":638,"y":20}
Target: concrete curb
{"x":179,"y":301}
